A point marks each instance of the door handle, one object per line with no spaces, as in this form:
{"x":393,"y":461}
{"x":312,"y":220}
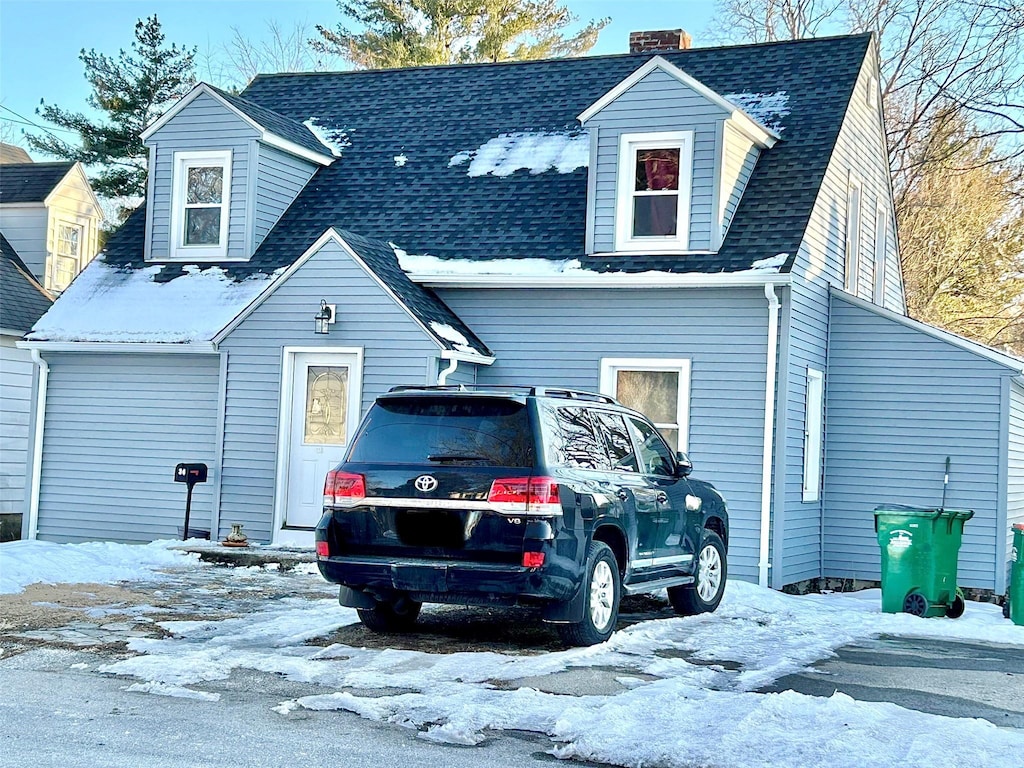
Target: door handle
{"x":622,"y":494}
{"x":662,"y":497}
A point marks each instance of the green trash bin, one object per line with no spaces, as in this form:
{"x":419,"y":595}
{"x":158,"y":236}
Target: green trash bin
{"x":919,"y":558}
{"x":1015,"y":594}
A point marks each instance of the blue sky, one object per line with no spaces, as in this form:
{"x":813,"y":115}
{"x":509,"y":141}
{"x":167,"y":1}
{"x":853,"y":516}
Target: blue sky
{"x":40,"y":39}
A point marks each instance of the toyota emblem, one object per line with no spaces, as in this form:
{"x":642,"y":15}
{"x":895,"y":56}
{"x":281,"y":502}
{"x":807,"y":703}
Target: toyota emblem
{"x":425,"y":483}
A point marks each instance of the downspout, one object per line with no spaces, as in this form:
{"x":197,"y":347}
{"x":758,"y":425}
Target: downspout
{"x":37,"y":444}
{"x":769,"y":424}
{"x":442,"y":377}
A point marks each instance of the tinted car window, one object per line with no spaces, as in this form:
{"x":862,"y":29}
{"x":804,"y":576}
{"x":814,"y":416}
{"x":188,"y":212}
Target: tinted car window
{"x":617,"y":441}
{"x":571,"y":440}
{"x":482,"y":431}
{"x":655,"y":456}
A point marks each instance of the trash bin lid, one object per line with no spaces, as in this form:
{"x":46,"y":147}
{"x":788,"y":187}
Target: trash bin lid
{"x":929,"y":512}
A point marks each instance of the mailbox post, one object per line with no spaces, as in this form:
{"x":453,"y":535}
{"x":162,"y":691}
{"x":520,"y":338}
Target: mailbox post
{"x":191,"y":474}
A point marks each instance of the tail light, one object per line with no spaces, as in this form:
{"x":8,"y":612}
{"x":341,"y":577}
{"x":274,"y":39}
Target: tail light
{"x":531,"y":559}
{"x":343,"y":489}
{"x":322,"y":549}
{"x":525,"y":495}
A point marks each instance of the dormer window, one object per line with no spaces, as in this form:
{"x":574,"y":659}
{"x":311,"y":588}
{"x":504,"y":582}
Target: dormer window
{"x":654,"y":176}
{"x":199,"y":210}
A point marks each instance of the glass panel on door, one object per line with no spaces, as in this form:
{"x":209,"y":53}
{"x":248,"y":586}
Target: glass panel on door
{"x":326,"y":405}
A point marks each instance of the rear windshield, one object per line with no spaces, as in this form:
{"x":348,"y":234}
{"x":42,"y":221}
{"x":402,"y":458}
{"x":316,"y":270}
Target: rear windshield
{"x":477,"y":431}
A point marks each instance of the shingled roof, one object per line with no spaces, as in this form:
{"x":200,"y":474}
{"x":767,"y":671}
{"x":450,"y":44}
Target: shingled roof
{"x":24,"y":299}
{"x":427,"y":115}
{"x":30,"y":182}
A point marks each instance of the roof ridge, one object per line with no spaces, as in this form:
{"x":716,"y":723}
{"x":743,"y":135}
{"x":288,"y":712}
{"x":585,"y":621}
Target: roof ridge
{"x":526,"y":62}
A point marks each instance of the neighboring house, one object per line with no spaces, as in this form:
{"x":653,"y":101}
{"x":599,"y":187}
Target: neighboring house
{"x":51,"y":216}
{"x":707,"y":234}
{"x":22,"y":302}
{"x":9,"y":153}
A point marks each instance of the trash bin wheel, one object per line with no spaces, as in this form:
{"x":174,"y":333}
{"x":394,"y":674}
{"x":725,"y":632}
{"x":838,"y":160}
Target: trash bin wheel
{"x":956,"y":610}
{"x":915,"y":604}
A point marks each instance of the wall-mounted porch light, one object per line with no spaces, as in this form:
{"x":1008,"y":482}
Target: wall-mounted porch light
{"x":324,"y":318}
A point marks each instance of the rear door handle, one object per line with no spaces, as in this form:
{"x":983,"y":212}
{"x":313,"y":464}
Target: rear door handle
{"x":622,"y":494}
{"x":662,"y":497}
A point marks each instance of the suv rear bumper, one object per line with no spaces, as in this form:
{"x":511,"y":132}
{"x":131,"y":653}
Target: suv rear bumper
{"x":473,"y":581}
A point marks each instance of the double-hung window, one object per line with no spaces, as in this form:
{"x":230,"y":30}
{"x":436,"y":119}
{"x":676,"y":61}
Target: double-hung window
{"x":67,"y":255}
{"x":653,"y":192}
{"x":200,"y":204}
{"x":659,"y":389}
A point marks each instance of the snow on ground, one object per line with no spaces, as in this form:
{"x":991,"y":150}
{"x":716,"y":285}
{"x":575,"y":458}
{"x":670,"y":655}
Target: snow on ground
{"x":108,"y":304}
{"x":95,"y":562}
{"x":689,"y":698}
{"x":535,"y":152}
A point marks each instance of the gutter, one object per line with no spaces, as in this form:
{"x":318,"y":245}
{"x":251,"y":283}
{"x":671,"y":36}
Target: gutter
{"x":185,"y":348}
{"x":454,"y":358}
{"x":32,"y":527}
{"x":769,"y":424}
{"x":603,"y":280}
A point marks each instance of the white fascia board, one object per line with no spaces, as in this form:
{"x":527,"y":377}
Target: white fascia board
{"x":467,"y":357}
{"x":993,"y":355}
{"x":670,"y":69}
{"x":92,"y":195}
{"x":149,"y":347}
{"x":266,"y":136}
{"x":603,"y":280}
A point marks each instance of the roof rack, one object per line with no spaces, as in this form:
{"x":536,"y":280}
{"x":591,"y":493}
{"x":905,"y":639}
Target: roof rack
{"x":562,"y":392}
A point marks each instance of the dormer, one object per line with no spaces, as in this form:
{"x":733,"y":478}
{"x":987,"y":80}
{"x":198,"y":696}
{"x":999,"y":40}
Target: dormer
{"x":222,"y":170}
{"x":669,"y":160}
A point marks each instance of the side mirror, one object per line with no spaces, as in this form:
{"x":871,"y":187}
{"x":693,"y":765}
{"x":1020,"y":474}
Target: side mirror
{"x":683,"y":464}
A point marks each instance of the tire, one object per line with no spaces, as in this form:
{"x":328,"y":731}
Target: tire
{"x":395,"y":616}
{"x":915,"y":604}
{"x":958,"y":606}
{"x":602,"y":592}
{"x":704,"y":595}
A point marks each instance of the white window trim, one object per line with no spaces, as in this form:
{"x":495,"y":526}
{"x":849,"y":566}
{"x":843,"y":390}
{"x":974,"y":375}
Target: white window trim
{"x":629,"y":143}
{"x":854,"y":224}
{"x":814,"y":434}
{"x":56,"y":255}
{"x":182,"y":161}
{"x":881,"y":237}
{"x":610,"y":366}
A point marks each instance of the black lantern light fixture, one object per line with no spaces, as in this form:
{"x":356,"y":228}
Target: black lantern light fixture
{"x":324,"y":318}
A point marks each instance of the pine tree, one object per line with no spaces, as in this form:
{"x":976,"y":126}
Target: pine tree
{"x":132,"y":89}
{"x":399,"y":33}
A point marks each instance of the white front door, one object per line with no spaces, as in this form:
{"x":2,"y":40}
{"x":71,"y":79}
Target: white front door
{"x":324,"y":414}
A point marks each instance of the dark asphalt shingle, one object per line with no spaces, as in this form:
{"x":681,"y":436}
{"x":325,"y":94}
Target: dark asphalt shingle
{"x":22,"y":298}
{"x":280,"y":125}
{"x":30,"y":182}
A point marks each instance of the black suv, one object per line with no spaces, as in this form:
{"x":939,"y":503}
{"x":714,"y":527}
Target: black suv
{"x":517,"y":496}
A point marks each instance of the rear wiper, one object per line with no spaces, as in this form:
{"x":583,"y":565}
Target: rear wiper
{"x":454,"y":457}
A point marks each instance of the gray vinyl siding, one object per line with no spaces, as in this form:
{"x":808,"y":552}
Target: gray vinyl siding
{"x":16,"y":375}
{"x":658,"y":102}
{"x":205,"y":124}
{"x":116,"y":425}
{"x":820,"y":262}
{"x":279,"y":179}
{"x":559,"y":336}
{"x":396,"y":351}
{"x":1015,"y":456}
{"x":898,"y":402}
{"x":738,"y":160}
{"x":26,"y":230}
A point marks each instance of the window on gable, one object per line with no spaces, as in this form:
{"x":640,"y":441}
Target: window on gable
{"x":881,"y":235}
{"x":853,"y":222}
{"x":201,"y":195}
{"x":67,"y":256}
{"x":653,"y":207}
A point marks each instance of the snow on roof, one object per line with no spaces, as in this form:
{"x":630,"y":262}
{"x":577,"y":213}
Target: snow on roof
{"x":767,"y":108}
{"x":108,"y":304}
{"x":459,"y":342}
{"x":335,"y":139}
{"x":535,"y":152}
{"x":432,"y":265}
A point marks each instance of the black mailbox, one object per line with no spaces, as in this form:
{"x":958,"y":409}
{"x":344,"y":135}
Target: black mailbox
{"x":190,"y":473}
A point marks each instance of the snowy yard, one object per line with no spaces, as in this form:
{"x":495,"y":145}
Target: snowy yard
{"x":674,"y":692}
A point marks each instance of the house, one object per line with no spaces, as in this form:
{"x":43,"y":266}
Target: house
{"x":23,"y":301}
{"x":707,"y":234}
{"x":50,"y":215}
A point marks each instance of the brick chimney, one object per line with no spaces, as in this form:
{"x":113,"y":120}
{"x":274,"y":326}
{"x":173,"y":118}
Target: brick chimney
{"x":659,"y":40}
